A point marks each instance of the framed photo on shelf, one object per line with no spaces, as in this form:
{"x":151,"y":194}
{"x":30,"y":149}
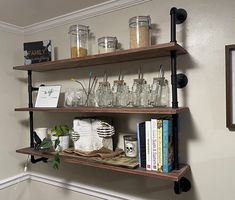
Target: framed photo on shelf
{"x":38,"y":51}
{"x":230,"y":86}
{"x":48,"y":96}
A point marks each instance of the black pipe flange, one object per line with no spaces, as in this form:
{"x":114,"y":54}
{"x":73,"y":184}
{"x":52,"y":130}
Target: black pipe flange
{"x":182,"y":80}
{"x":183,"y":185}
{"x":180,"y":16}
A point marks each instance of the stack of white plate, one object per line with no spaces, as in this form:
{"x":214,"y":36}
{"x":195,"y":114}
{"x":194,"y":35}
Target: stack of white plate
{"x":105,"y":130}
{"x":75,"y":136}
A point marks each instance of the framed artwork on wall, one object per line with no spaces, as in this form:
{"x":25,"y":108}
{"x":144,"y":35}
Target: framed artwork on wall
{"x":230,"y":85}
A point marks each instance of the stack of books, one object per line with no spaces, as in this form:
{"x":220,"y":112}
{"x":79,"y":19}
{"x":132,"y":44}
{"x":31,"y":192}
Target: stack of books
{"x":155,"y":145}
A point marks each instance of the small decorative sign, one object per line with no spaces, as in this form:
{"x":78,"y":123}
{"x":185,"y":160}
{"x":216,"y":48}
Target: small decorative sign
{"x":48,"y":97}
{"x":36,"y":52}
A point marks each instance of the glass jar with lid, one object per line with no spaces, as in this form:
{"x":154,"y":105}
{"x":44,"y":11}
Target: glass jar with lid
{"x":107,"y":44}
{"x":130,"y":146}
{"x":155,"y":91}
{"x":78,"y":40}
{"x":104,"y":94}
{"x":140,"y":35}
{"x":137,"y":88}
{"x":163,"y":94}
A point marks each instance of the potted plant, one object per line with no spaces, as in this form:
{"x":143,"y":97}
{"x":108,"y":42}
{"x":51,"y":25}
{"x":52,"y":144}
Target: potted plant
{"x":58,"y":142}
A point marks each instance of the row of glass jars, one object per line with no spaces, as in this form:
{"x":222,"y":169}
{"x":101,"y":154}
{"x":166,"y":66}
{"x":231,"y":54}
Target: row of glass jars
{"x":119,"y":95}
{"x":140,"y":36}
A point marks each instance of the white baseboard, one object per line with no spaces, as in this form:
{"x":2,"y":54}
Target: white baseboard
{"x":14,"y":180}
{"x":61,"y":183}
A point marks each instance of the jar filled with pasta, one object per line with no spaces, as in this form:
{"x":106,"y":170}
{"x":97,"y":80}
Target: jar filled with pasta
{"x":140,"y":35}
{"x":78,"y":40}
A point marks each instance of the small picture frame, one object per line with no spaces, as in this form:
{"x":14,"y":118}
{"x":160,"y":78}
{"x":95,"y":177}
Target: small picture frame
{"x":230,"y":86}
{"x":38,"y":51}
{"x":48,"y":96}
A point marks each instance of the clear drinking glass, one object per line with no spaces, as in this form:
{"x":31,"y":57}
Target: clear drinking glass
{"x":73,"y":97}
{"x":90,"y":99}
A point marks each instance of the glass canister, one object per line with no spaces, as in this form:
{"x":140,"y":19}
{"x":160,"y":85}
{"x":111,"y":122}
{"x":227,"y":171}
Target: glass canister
{"x":144,"y":96}
{"x":104,"y":95}
{"x":78,"y":40}
{"x":107,"y":44}
{"x":163,"y":93}
{"x":137,"y":88}
{"x":140,"y":35}
{"x":130,"y":146}
{"x":155,"y":91}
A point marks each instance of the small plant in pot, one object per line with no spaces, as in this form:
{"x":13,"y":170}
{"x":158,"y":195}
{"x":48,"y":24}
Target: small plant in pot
{"x":59,"y":141}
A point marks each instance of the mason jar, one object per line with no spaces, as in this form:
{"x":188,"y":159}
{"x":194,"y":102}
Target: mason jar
{"x":107,"y":44}
{"x":130,"y":146}
{"x":164,"y":94}
{"x":155,"y":91}
{"x":140,"y":35}
{"x":104,"y":95}
{"x":78,"y":40}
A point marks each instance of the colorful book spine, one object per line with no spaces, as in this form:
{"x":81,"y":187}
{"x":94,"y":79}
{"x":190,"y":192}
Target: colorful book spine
{"x":141,"y":144}
{"x":168,"y":153}
{"x":148,"y":145}
{"x":159,"y":146}
{"x":154,"y":144}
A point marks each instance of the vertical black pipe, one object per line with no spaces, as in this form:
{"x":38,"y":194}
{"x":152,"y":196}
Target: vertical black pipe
{"x":174,"y":87}
{"x":175,"y":139}
{"x":174,"y":79}
{"x":30,"y":91}
{"x":173,"y":24}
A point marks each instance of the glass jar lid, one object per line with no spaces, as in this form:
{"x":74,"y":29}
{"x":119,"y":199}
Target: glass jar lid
{"x":142,"y":20}
{"x":119,"y":82}
{"x":77,"y":28}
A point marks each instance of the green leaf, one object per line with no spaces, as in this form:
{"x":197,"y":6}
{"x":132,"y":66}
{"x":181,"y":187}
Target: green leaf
{"x":57,"y":142}
{"x":56,"y":161}
{"x":46,"y":144}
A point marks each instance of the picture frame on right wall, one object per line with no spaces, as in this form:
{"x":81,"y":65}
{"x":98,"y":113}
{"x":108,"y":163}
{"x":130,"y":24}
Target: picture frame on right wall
{"x":230,"y":86}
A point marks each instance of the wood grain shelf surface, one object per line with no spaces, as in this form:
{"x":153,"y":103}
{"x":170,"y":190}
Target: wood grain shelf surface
{"x":165,"y":110}
{"x":159,"y":50}
{"x":175,"y":175}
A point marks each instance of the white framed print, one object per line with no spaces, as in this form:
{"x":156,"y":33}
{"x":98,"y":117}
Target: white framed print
{"x":48,"y":96}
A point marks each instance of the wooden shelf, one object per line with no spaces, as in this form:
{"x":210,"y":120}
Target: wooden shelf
{"x":166,"y":111}
{"x":154,"y":51}
{"x":175,"y":175}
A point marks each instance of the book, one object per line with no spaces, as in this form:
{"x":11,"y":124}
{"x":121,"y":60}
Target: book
{"x":154,"y":144}
{"x":159,"y":146}
{"x":141,"y":144}
{"x":148,"y":145}
{"x":168,"y":147}
{"x":36,"y":52}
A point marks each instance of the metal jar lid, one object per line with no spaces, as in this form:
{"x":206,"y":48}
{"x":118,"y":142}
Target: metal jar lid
{"x":130,"y":137}
{"x":77,"y":28}
{"x":107,"y":39}
{"x":142,"y":20}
